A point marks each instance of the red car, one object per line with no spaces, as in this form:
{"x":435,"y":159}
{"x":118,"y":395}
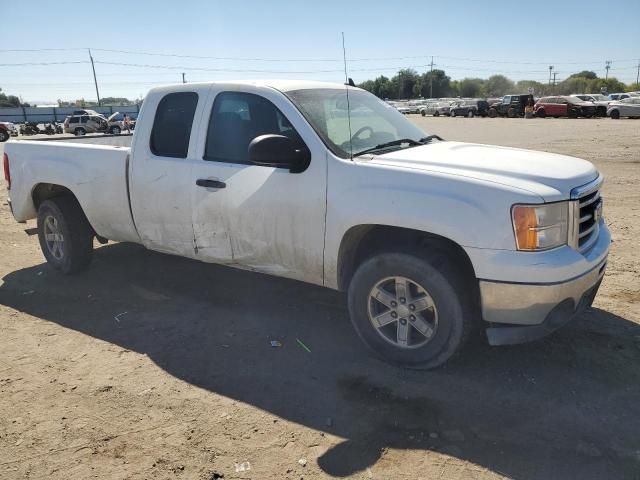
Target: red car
{"x":563,"y":107}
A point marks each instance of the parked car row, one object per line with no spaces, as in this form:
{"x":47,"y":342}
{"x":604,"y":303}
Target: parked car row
{"x":517,"y":105}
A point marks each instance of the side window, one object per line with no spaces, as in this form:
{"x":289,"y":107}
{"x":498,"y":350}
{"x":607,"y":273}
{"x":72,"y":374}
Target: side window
{"x":172,"y":124}
{"x":236,"y":119}
{"x":73,"y":120}
{"x":84,"y":118}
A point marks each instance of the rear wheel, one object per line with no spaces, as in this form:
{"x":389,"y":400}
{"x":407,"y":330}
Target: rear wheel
{"x":471,"y":114}
{"x":4,"y":136}
{"x":65,"y":236}
{"x":493,"y":113}
{"x":115,"y":130}
{"x":407,"y":309}
{"x":511,"y":113}
{"x":78,"y":132}
{"x":615,"y":114}
{"x":541,"y":113}
{"x":436,"y":113}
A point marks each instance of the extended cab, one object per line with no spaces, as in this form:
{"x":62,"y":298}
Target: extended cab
{"x":429,"y":238}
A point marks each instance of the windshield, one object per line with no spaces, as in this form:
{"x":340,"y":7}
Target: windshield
{"x":373,"y":122}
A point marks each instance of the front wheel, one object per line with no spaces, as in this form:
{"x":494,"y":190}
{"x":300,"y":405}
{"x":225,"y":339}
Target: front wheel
{"x":615,"y":114}
{"x":436,"y":113}
{"x":65,"y":236}
{"x":79,"y":132}
{"x":407,"y":311}
{"x":471,"y":114}
{"x":493,"y":113}
{"x":4,"y":136}
{"x":115,"y":130}
{"x":452,"y":113}
{"x":541,"y":113}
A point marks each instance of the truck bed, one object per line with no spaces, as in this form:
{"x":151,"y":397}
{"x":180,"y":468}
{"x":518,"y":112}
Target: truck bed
{"x":95,"y":174}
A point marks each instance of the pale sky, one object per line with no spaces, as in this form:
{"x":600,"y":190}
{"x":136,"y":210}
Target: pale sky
{"x":158,"y":40}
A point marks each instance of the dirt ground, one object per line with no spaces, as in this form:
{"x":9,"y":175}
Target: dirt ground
{"x":155,"y":367}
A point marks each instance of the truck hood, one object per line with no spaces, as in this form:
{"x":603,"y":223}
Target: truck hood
{"x":549,"y":175}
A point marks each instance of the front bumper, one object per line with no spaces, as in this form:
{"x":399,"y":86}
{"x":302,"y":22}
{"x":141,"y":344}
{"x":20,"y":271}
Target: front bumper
{"x":538,"y":309}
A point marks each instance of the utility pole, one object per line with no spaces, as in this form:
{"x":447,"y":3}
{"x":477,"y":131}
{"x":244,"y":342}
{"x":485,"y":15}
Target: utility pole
{"x":183,"y":80}
{"x":95,"y":80}
{"x":550,"y":70}
{"x":638,"y":76}
{"x":431,"y":78}
{"x":554,"y":78}
{"x":607,"y":66}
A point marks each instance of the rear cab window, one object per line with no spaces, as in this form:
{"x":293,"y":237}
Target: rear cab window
{"x":172,"y":125}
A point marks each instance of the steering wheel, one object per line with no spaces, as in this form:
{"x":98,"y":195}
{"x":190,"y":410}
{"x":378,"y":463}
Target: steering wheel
{"x":360,"y":131}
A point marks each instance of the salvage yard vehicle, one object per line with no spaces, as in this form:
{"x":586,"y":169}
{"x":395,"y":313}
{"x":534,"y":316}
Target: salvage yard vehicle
{"x":571,"y":107}
{"x":82,"y":124}
{"x":627,"y":107}
{"x":7,"y":130}
{"x":436,"y":109}
{"x":430,"y":239}
{"x":511,"y":106}
{"x":600,"y":101}
{"x":469,"y":108}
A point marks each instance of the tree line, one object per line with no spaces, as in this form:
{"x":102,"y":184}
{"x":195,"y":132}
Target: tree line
{"x":408,"y":83}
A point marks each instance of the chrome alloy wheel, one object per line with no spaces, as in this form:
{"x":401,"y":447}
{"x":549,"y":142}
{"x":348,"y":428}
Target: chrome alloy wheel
{"x":53,"y":237}
{"x":402,"y":312}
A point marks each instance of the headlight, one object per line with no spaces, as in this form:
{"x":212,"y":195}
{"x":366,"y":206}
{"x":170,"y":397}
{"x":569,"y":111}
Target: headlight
{"x":540,"y":227}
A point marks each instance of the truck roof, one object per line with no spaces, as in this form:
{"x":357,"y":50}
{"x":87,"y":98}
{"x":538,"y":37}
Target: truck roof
{"x":278,"y":84}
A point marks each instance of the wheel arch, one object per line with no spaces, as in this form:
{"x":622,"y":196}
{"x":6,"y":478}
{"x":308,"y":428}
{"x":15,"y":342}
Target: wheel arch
{"x":361,"y":241}
{"x":47,"y":191}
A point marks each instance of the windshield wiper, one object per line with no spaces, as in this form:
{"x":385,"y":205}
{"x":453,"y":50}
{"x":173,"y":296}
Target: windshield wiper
{"x":393,"y":143}
{"x":431,"y":137}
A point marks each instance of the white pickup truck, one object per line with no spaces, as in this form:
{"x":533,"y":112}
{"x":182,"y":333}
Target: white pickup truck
{"x":327,"y":184}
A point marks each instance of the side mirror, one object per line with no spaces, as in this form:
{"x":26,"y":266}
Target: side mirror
{"x":278,"y":151}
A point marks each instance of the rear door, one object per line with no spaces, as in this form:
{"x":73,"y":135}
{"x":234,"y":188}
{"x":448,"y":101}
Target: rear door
{"x":274,"y":219}
{"x":161,"y":171}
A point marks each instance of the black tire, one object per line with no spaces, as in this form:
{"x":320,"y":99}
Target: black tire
{"x":493,"y":113}
{"x":601,"y":112}
{"x":471,"y":114}
{"x":452,"y":113}
{"x":77,"y":246}
{"x":439,"y":279}
{"x":436,"y":113}
{"x":541,"y":113}
{"x":615,"y":114}
{"x":511,"y":113}
{"x":422,"y":112}
{"x":115,"y":130}
{"x":78,"y":132}
{"x":4,"y":136}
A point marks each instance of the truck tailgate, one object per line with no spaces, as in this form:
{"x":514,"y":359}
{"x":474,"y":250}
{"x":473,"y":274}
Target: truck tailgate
{"x":95,"y":174}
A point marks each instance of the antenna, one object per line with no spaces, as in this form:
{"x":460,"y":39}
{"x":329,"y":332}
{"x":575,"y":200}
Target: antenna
{"x":346,"y":85}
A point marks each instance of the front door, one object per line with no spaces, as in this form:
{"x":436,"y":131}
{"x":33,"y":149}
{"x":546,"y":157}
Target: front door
{"x":273,"y":219}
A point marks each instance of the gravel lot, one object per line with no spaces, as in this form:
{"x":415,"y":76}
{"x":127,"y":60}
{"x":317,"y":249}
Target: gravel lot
{"x":155,"y":367}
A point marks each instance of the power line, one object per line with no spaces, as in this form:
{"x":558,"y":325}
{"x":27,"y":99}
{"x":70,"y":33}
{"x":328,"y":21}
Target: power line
{"x":31,"y":64}
{"x":307,"y":59}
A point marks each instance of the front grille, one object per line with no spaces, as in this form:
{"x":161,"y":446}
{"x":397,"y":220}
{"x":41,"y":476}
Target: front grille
{"x":587,"y":214}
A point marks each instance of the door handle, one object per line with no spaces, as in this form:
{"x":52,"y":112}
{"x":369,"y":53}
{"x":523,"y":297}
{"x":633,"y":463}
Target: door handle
{"x":204,"y":182}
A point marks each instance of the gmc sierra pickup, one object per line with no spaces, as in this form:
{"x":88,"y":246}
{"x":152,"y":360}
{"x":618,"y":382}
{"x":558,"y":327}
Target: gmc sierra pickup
{"x":327,"y":184}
